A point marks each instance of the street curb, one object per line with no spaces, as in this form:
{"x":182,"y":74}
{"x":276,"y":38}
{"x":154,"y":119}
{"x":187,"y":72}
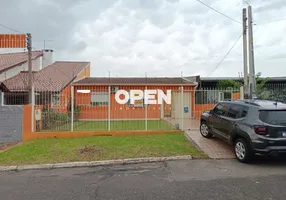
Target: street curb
{"x":94,"y":163}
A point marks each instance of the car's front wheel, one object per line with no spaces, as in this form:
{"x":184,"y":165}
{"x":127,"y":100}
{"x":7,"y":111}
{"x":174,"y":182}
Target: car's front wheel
{"x":242,"y":150}
{"x":204,"y":129}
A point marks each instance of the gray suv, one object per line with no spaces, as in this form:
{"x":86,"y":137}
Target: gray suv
{"x":251,"y":126}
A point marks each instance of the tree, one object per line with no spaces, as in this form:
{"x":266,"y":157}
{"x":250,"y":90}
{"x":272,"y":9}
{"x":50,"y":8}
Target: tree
{"x":260,"y":91}
{"x":225,"y":84}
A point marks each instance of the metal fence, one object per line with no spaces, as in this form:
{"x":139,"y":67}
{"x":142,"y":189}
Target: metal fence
{"x":273,"y":91}
{"x":207,"y":98}
{"x":94,"y":108}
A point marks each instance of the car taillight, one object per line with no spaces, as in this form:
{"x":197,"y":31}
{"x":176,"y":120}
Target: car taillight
{"x":261,"y":130}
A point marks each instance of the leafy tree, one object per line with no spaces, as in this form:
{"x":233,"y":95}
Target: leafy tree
{"x":225,"y":84}
{"x":260,"y":92}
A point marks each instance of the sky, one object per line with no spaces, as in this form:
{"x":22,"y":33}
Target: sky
{"x":153,"y":37}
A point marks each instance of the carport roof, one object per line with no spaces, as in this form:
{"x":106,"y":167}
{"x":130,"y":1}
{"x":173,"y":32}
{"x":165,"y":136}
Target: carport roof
{"x":134,"y":81}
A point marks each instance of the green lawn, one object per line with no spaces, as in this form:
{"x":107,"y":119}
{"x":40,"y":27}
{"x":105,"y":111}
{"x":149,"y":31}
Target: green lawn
{"x":116,"y":125}
{"x":98,"y":148}
{"x":123,"y":125}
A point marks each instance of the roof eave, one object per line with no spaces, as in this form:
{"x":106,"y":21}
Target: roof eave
{"x":133,"y":84}
{"x":70,"y":83}
{"x":20,"y":63}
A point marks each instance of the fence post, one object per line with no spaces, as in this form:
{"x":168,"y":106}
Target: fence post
{"x":194,"y":104}
{"x":72,"y":107}
{"x":33,"y":107}
{"x":241,"y":93}
{"x":109,"y":96}
{"x":1,"y":98}
{"x":182,"y":107}
{"x":146,"y":111}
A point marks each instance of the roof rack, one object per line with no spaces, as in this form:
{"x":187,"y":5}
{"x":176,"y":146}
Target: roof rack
{"x":247,"y":101}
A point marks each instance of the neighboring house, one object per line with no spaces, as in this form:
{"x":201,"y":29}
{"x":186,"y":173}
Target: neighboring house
{"x":51,"y":84}
{"x":275,"y":86}
{"x":92,"y":95}
{"x":212,"y":82}
{"x":13,"y":63}
{"x":2,"y":89}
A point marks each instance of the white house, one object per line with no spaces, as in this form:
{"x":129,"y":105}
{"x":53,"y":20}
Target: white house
{"x":12,"y":64}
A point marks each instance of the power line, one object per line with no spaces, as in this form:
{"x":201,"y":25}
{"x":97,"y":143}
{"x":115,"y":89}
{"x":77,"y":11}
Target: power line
{"x":219,"y":12}
{"x":225,"y":55}
{"x":11,"y":29}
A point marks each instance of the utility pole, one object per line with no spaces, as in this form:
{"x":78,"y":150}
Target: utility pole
{"x":244,"y":28}
{"x":252,"y":83}
{"x":30,"y":84}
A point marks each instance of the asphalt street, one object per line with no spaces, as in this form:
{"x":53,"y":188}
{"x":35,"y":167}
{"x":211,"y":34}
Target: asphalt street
{"x":193,"y":179}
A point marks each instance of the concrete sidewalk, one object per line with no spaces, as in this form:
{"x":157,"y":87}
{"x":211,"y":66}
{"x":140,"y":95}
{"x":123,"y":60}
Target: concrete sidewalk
{"x":214,"y":147}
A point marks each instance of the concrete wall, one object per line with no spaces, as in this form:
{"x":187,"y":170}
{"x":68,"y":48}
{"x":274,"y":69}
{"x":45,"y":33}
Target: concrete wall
{"x":11,"y":120}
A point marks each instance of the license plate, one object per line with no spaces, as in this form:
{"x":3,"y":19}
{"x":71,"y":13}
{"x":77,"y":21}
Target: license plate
{"x":283,"y":134}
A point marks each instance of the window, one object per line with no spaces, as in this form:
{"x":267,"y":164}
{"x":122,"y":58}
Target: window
{"x":244,"y":111}
{"x":237,"y":111}
{"x":221,"y":109}
{"x":274,"y":117}
{"x":99,"y":98}
{"x":56,"y":99}
{"x":234,"y":111}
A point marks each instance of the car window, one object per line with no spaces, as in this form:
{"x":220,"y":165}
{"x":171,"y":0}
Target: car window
{"x":237,"y":111}
{"x":244,"y":111}
{"x":274,"y":117}
{"x":221,"y":109}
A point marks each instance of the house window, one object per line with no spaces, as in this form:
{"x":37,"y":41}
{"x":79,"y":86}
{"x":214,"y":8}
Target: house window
{"x":56,"y":99}
{"x":99,"y":98}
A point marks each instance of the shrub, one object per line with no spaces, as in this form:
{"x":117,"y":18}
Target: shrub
{"x":53,"y":119}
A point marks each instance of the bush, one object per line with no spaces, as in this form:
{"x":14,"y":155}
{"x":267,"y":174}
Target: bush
{"x":77,"y":110}
{"x":53,"y":119}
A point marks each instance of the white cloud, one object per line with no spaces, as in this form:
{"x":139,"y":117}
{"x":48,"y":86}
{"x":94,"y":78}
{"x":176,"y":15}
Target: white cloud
{"x":163,"y":38}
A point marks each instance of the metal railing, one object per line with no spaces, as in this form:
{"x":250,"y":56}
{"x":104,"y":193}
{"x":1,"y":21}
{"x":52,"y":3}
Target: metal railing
{"x":94,"y":108}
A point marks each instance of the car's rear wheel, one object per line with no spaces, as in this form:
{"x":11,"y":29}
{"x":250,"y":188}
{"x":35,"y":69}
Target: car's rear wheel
{"x":242,"y":150}
{"x":204,"y":129}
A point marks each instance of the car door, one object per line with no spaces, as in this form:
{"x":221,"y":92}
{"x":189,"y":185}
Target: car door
{"x":228,"y":120}
{"x":223,"y":121}
{"x":234,"y":114}
{"x":216,"y":119}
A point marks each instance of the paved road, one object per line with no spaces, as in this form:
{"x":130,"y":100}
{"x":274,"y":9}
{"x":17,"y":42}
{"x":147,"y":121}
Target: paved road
{"x":194,"y":179}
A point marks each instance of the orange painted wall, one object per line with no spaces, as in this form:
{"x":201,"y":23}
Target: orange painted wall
{"x":236,"y":95}
{"x":84,"y":73}
{"x":118,"y":111}
{"x":200,"y":108}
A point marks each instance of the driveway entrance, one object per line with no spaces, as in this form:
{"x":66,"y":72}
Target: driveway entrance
{"x":213,"y":147}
